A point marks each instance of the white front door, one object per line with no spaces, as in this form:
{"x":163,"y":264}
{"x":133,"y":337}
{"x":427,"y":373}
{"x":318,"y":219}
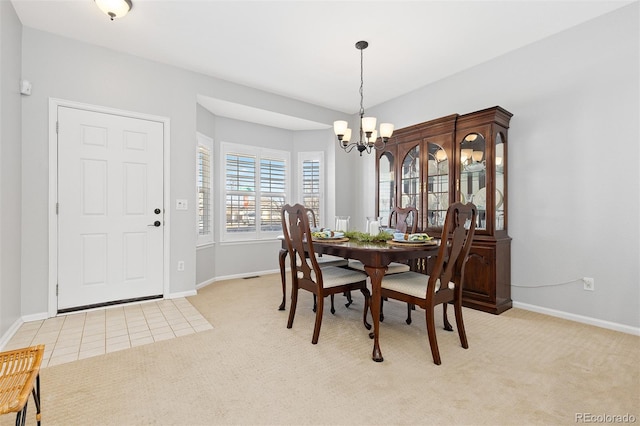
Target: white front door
{"x":110,"y":208}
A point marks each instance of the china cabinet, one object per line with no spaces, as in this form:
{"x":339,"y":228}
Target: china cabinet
{"x":458,"y":157}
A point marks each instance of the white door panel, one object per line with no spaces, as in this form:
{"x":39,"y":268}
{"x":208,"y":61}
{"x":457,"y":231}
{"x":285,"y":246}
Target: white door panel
{"x":110,"y":183}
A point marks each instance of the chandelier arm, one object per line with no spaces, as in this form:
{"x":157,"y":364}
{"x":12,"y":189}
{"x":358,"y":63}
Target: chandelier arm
{"x":349,"y":147}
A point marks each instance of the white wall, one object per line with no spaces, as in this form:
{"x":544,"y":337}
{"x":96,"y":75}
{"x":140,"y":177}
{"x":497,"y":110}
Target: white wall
{"x":62,"y":68}
{"x":10,"y":167}
{"x":573,"y":171}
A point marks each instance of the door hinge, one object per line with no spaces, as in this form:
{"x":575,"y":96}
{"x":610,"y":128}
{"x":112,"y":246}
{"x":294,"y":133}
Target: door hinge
{"x":57,"y":207}
{"x":57,"y":126}
{"x":56,"y":289}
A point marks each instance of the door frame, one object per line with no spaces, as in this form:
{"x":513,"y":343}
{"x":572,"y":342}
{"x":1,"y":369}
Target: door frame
{"x":54,"y":104}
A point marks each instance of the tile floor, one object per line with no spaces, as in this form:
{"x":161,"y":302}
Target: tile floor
{"x":85,"y":334}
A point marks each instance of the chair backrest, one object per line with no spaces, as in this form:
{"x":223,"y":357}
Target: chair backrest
{"x":401,"y":217}
{"x":297,"y":234}
{"x":457,"y":236}
{"x":311,"y":215}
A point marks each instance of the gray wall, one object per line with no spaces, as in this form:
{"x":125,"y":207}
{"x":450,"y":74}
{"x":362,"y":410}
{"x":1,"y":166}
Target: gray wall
{"x":220,"y":260}
{"x":10,"y":167}
{"x":62,"y":68}
{"x":205,"y":255}
{"x":573,"y":171}
{"x":573,"y":156}
{"x":233,"y":259}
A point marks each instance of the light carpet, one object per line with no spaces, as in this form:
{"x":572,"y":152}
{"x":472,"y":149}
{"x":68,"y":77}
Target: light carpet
{"x":521,"y":368}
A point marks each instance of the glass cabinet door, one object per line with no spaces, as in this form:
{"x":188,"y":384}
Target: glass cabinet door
{"x":500,"y":159}
{"x":473,"y":174}
{"x":437,"y":185}
{"x":386,"y":186}
{"x":410,"y":179}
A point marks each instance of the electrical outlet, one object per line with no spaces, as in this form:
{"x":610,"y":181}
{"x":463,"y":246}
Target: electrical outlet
{"x":181,"y":205}
{"x":180,"y":265}
{"x":589,"y":283}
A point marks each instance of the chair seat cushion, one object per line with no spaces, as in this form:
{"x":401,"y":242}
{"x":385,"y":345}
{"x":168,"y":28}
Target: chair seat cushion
{"x":333,"y":276}
{"x":411,"y":283}
{"x":328,"y":260}
{"x":393,"y":268}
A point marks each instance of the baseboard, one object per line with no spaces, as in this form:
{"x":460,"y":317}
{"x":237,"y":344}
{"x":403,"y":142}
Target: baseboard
{"x":35,"y":317}
{"x":579,"y":318}
{"x":10,"y":332}
{"x":182,"y":294}
{"x":237,"y":276}
{"x":206,"y":283}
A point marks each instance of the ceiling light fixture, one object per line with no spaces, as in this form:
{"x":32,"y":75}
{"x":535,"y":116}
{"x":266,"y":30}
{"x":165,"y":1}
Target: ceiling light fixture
{"x":367,"y":124}
{"x":114,"y":8}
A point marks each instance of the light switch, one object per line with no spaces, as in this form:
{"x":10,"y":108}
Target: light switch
{"x":181,"y":204}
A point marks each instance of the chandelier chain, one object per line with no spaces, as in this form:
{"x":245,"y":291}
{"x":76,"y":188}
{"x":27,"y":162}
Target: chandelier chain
{"x":361,"y":83}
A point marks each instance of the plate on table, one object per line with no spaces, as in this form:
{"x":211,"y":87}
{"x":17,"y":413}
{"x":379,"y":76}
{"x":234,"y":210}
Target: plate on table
{"x":331,"y":239}
{"x":406,"y":243}
{"x":329,"y":236}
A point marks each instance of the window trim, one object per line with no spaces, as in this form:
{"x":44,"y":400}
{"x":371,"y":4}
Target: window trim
{"x":319,"y":157}
{"x":207,"y":239}
{"x":259,"y":153}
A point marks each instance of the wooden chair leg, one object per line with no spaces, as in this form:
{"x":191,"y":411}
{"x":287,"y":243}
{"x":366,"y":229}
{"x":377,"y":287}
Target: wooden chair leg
{"x":315,"y":303}
{"x":410,"y":307}
{"x":367,"y":299}
{"x":349,"y":299}
{"x":445,"y":320}
{"x":283,"y":278}
{"x":431,"y":332}
{"x":316,"y":328}
{"x":333,"y":309}
{"x":294,"y":304}
{"x":460,"y":324}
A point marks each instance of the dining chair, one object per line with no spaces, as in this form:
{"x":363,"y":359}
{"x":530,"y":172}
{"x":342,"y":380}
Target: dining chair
{"x":307,"y":274}
{"x":399,"y":220}
{"x":20,"y":377}
{"x":327,"y":260}
{"x":444,"y":284}
{"x":402,"y":219}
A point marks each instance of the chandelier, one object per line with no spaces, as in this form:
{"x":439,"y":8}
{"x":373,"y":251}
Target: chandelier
{"x":368,"y":132}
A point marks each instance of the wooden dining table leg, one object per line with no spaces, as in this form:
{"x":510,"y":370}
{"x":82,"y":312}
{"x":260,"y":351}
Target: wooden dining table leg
{"x":281,"y":257}
{"x":376,"y":274}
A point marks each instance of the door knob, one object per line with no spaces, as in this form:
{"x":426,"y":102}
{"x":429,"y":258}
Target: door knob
{"x":156,"y":223}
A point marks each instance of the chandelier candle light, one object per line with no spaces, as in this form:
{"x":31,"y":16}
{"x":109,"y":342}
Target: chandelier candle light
{"x":368,"y":132}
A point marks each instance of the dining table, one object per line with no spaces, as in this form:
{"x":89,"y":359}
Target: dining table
{"x":375,"y":256}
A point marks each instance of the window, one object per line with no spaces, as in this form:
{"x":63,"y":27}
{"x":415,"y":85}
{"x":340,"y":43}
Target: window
{"x":310,"y":165}
{"x":204,"y":183}
{"x":255,"y":190}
